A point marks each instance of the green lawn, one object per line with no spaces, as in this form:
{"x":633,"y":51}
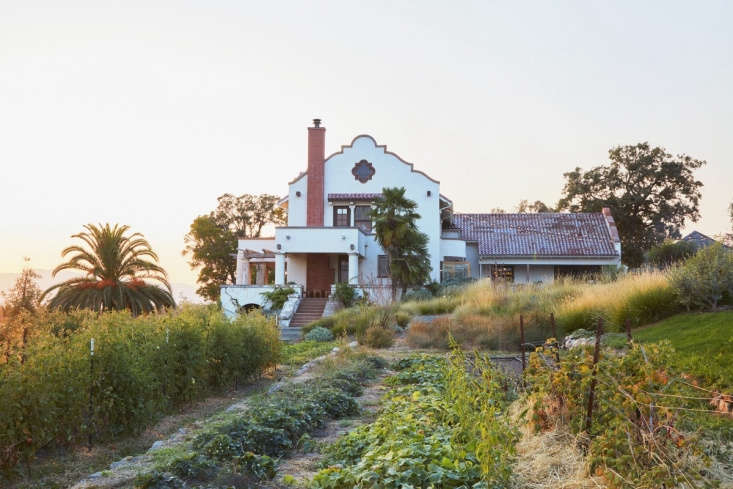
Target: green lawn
{"x":704,"y":342}
{"x":296,"y":354}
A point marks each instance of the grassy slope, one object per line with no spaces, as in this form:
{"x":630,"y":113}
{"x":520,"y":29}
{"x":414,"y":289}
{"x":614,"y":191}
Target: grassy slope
{"x":704,"y":342}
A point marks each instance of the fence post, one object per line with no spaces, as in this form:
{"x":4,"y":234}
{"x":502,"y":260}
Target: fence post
{"x":521,"y":340}
{"x":91,"y":394}
{"x":592,"y":391}
{"x":554,"y":335}
{"x":628,"y":330}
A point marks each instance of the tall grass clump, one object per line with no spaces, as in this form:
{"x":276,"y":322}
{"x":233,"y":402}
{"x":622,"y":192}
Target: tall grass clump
{"x":142,"y":367}
{"x":641,"y":298}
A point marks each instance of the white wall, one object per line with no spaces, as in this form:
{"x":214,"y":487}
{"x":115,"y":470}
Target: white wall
{"x":242,"y":294}
{"x":452,"y":247}
{"x":297,"y":205}
{"x":296,"y":268}
{"x":390,"y":172}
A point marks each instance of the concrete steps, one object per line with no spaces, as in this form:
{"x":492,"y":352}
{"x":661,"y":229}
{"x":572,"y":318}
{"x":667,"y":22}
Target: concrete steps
{"x":310,"y":309}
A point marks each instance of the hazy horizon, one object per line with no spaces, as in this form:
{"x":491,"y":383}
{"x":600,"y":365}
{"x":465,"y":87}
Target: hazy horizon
{"x":144,"y":113}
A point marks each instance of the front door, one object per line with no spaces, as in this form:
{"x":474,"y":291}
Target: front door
{"x":343,"y":269}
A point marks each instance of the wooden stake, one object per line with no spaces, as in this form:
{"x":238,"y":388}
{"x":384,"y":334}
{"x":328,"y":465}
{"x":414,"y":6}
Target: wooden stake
{"x":592,"y":391}
{"x":521,"y":340}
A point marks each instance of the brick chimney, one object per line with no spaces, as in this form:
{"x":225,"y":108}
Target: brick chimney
{"x":316,"y":158}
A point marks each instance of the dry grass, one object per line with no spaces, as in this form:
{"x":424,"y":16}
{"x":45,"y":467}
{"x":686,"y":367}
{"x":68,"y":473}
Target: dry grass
{"x":640,"y":297}
{"x":549,"y":459}
{"x":471,"y":331}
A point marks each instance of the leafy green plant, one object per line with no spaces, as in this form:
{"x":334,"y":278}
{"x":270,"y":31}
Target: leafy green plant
{"x":345,"y":294}
{"x":319,"y":334}
{"x":277,"y":297}
{"x":422,"y":437}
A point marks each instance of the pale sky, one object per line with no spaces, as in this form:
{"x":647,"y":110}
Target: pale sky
{"x":144,"y":112}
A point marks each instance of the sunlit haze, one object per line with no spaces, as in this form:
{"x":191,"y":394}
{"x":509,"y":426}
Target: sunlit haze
{"x":142,"y":113}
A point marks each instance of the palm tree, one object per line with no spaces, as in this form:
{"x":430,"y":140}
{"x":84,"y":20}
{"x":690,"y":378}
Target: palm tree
{"x":395,"y":226}
{"x":116,"y":267}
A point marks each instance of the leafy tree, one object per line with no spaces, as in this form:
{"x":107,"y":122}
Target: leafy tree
{"x":211,"y":248}
{"x":25,"y":295}
{"x":525,"y":207}
{"x":212,"y":239}
{"x":116,"y":266}
{"x":650,"y":192}
{"x":396,"y":231}
{"x":727,"y":238}
{"x":247,"y":214}
{"x":670,"y":252}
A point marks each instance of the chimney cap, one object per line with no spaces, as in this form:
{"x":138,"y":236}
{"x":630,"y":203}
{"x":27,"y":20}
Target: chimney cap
{"x":316,"y":122}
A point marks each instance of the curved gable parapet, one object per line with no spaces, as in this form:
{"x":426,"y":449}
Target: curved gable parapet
{"x":362,"y":139}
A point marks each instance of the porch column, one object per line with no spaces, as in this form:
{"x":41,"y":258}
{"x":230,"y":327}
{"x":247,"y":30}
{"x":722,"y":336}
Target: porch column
{"x":279,"y":268}
{"x":247,"y":275}
{"x":354,"y":268}
{"x":352,"y":214}
{"x":240,"y":268}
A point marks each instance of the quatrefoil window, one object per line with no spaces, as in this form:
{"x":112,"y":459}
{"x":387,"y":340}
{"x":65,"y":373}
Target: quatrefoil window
{"x":363,"y":171}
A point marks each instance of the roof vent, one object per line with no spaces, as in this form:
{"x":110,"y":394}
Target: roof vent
{"x":316,"y":122}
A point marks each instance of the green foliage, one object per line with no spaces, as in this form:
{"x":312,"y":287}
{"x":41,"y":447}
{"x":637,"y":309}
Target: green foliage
{"x":210,"y":248}
{"x":345,"y":294}
{"x":143,"y":367}
{"x":319,"y":334}
{"x":424,"y":435}
{"x":395,"y":226}
{"x":650,"y":192}
{"x":278,"y":297}
{"x":705,"y":280}
{"x":212,"y":238}
{"x":636,"y":438}
{"x":114,"y":266}
{"x":670,"y":253}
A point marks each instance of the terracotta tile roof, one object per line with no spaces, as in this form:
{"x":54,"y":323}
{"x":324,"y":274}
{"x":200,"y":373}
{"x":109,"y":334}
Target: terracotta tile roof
{"x":354,"y":196}
{"x":544,"y":234}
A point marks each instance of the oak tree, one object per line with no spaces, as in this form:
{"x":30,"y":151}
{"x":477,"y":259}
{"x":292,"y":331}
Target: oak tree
{"x":651,"y":194}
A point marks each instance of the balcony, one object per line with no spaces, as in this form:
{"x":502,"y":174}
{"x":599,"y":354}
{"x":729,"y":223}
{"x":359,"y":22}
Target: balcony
{"x":341,"y":240}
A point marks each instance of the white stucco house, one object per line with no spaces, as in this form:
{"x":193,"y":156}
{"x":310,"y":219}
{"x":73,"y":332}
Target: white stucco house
{"x":329,"y":237}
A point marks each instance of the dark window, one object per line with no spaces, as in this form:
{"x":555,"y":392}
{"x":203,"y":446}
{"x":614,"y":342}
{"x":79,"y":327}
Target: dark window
{"x":502,"y":272}
{"x":382,"y":266}
{"x":341,"y":216}
{"x":362,"y":218}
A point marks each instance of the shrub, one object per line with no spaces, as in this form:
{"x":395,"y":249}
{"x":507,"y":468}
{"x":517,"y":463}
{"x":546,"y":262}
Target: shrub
{"x":402,"y":318}
{"x":378,"y":337}
{"x":705,"y":280}
{"x":345,"y":294}
{"x":278,"y":297}
{"x":324,"y":322}
{"x":319,"y":334}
